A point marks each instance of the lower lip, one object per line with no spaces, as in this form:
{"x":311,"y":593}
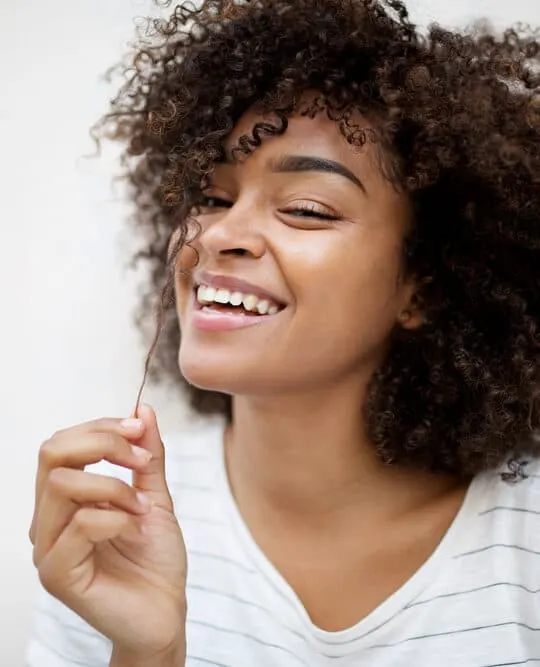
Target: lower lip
{"x":215,"y":320}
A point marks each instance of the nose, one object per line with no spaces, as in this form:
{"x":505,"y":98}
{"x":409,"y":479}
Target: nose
{"x":234,"y":231}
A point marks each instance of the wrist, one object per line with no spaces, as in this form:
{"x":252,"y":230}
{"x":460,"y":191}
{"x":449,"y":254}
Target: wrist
{"x":174,"y":656}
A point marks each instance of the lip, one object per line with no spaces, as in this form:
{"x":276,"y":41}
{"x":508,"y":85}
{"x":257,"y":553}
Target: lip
{"x":235,"y":284}
{"x":206,"y":319}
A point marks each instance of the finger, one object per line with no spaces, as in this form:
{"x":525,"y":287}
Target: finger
{"x":79,"y":447}
{"x":67,"y":490}
{"x":151,"y":479}
{"x":73,"y":550}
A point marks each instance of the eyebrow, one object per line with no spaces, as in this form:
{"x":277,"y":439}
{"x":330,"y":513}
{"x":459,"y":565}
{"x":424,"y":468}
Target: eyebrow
{"x":298,"y":163}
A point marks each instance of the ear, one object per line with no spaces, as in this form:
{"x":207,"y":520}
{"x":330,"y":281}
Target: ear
{"x":412,"y":314}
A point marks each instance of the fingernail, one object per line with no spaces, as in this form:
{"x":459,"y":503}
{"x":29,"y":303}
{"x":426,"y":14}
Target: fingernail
{"x":141,"y":453}
{"x":131,"y":424}
{"x":144,"y":501}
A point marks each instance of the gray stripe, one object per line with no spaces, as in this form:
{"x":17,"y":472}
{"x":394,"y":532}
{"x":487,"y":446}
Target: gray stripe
{"x":360,"y":637}
{"x":282,"y":594}
{"x":70,"y":659}
{"x":500,"y":508}
{"x":457,"y":632}
{"x":245,"y":635}
{"x":181,"y":486}
{"x":221,"y":559}
{"x":245,"y":568}
{"x":498,"y":546}
{"x":205,"y":661}
{"x":249,"y":603}
{"x":473,"y":590}
{"x":509,"y":664}
{"x":320,"y":640}
{"x":82,"y":630}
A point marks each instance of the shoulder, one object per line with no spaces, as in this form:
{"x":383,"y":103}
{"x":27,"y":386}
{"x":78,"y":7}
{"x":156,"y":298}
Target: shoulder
{"x":516,"y":484}
{"x":506,"y":508}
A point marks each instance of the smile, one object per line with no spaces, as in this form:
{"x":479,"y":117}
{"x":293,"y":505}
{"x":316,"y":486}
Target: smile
{"x":250,"y":303}
{"x":221,"y":309}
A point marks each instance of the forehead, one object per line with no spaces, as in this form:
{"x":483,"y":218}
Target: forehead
{"x":319,"y":136}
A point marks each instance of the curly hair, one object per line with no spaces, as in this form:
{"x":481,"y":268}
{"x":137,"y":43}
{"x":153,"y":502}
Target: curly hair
{"x":457,"y":115}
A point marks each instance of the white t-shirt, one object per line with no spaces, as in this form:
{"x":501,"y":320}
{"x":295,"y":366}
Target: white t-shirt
{"x":474,"y":603}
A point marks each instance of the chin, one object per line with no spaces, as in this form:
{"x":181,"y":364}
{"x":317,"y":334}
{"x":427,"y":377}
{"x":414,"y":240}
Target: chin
{"x":211,"y":372}
{"x":233,"y":374}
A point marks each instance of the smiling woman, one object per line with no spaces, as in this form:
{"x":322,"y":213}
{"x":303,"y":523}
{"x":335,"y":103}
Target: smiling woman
{"x":314,"y":225}
{"x":348,"y":215}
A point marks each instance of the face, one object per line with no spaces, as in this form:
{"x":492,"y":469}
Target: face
{"x":299,"y":280}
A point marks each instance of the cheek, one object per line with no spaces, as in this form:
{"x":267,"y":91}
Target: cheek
{"x":187,"y":259}
{"x":354,"y":271}
{"x":183,"y":285}
{"x":351,"y":292}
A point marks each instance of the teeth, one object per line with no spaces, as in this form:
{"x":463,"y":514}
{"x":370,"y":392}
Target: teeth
{"x":250,"y":302}
{"x":207,"y":295}
{"x":236,"y":298}
{"x":222,"y":296}
{"x":262,"y":307}
{"x":201,"y":293}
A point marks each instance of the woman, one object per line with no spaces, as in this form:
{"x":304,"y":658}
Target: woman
{"x":350,"y":216}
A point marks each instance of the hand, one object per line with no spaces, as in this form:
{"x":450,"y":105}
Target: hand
{"x":113,"y":553}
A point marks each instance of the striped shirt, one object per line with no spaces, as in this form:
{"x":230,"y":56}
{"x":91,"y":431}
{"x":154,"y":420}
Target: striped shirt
{"x":474,"y":603}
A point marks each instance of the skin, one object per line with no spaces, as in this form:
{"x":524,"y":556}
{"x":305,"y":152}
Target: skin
{"x":343,"y":529}
{"x":341,"y":280}
{"x":112,"y":552}
{"x":302,"y":470}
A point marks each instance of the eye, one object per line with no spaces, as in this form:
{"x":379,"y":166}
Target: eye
{"x":214,"y":202}
{"x":312,"y":210}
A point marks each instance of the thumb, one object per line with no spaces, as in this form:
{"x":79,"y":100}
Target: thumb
{"x":151,"y":479}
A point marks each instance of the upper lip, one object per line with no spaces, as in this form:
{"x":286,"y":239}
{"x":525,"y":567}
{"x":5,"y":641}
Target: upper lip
{"x":236,"y":285}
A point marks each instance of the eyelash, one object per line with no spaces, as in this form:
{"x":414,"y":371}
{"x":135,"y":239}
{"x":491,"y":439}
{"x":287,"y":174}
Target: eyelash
{"x":310,"y":210}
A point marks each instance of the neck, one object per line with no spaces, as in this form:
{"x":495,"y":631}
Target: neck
{"x":308,"y":458}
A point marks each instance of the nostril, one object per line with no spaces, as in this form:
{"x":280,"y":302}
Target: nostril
{"x":239,"y":252}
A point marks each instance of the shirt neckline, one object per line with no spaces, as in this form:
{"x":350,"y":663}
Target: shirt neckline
{"x":452,"y":541}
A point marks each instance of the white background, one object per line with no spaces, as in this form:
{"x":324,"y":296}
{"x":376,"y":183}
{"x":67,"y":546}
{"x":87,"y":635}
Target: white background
{"x":68,"y":349}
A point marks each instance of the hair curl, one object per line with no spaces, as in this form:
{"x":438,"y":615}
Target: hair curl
{"x":459,"y":112}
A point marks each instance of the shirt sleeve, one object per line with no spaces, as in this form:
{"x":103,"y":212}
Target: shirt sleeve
{"x":60,"y":638}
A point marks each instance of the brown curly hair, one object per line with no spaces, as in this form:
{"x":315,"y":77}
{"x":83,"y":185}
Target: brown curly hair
{"x":458,"y":118}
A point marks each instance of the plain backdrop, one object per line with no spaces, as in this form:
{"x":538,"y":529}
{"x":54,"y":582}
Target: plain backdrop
{"x":69,"y":351}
